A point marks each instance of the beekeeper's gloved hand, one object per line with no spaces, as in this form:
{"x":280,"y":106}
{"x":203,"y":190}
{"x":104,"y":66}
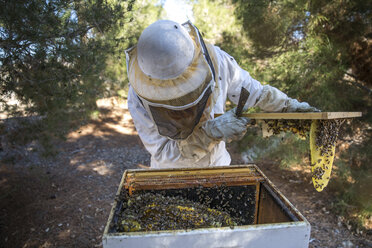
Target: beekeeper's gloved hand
{"x":227,"y":127}
{"x":295,"y":106}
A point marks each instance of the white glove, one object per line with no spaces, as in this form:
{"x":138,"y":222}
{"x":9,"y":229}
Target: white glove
{"x":295,"y":106}
{"x":226,"y":127}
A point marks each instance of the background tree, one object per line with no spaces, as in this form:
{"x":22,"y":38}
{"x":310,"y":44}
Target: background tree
{"x":218,"y":24}
{"x":53,"y":52}
{"x":57,"y":57}
{"x":319,"y":51}
{"x":124,"y":35}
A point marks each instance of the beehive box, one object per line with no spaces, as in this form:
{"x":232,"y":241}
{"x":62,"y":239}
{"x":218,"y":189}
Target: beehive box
{"x":270,"y":220}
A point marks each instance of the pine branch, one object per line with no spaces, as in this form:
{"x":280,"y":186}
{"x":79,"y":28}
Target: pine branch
{"x":359,"y":85}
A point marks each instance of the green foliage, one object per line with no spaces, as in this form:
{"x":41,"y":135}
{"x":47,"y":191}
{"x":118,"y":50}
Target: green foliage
{"x":291,"y":151}
{"x":213,"y":18}
{"x":286,"y":149}
{"x":57,"y":57}
{"x":319,"y":52}
{"x":313,"y":73}
{"x":355,"y":179}
{"x":53,"y":52}
{"x":123,"y":36}
{"x":271,"y":24}
{"x":219,"y":26}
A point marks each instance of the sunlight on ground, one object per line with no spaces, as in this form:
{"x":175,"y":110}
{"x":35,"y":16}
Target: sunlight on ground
{"x":64,"y":234}
{"x":119,"y":110}
{"x":98,"y":166}
{"x":368,"y":223}
{"x":47,"y":244}
{"x":112,"y":102}
{"x":3,"y":181}
{"x":121,"y":129}
{"x":113,"y":128}
{"x":299,"y":168}
{"x":114,"y":120}
{"x":102,"y":170}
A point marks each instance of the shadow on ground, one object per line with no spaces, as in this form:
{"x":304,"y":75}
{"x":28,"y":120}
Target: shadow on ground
{"x":65,"y":201}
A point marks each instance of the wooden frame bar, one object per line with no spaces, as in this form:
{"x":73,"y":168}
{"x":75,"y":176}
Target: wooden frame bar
{"x":302,"y":116}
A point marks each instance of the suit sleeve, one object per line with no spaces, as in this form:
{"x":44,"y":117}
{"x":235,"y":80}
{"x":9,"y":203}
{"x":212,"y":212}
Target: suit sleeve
{"x":266,"y":97}
{"x":234,"y":78}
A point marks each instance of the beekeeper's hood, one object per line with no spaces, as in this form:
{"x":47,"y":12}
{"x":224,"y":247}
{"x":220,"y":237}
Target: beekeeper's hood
{"x":171,"y":71}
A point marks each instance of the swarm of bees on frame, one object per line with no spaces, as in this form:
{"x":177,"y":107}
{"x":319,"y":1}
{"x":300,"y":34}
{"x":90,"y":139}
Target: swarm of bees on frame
{"x":323,"y":137}
{"x":326,"y":135}
{"x":322,"y":147}
{"x":187,"y":208}
{"x":299,"y":127}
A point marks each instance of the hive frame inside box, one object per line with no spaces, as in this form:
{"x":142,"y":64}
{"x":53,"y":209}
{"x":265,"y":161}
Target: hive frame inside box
{"x":277,"y":222}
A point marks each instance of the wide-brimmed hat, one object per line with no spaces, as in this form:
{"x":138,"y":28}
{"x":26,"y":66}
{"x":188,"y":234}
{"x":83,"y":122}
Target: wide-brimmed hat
{"x":167,"y":66}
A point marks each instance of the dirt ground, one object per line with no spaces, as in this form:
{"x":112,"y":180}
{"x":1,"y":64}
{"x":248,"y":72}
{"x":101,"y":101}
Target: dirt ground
{"x":65,"y":201}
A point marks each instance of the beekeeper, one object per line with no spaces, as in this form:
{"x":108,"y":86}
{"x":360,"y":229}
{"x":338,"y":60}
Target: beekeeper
{"x":178,"y":83}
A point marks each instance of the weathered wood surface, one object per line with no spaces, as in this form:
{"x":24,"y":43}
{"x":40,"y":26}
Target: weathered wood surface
{"x":302,"y":116}
{"x":190,"y":177}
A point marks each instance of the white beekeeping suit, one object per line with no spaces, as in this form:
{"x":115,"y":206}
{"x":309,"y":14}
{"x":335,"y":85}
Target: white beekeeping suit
{"x":178,"y":83}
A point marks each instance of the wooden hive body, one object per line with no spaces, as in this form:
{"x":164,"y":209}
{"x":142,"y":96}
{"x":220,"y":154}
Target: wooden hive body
{"x":272,"y":220}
